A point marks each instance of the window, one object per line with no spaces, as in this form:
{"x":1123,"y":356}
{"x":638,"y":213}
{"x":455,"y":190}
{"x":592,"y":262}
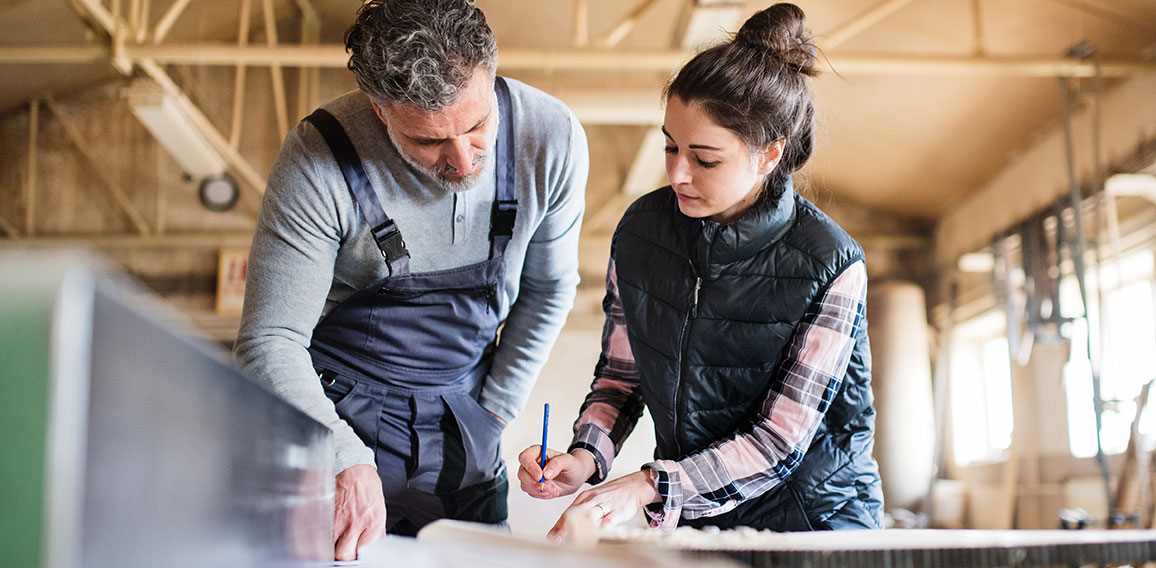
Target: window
{"x":1129,"y":354}
{"x":981,"y":392}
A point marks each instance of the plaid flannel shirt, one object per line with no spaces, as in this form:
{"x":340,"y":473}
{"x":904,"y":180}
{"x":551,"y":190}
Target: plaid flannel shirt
{"x":750,"y":461}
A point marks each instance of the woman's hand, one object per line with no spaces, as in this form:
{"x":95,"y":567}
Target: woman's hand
{"x":616,"y":501}
{"x":564,"y":473}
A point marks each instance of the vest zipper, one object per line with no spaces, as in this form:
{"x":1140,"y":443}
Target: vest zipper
{"x":694,"y":303}
{"x":683,"y":339}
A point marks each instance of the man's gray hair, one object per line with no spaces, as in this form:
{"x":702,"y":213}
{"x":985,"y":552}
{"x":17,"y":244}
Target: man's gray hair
{"x":419,"y":52}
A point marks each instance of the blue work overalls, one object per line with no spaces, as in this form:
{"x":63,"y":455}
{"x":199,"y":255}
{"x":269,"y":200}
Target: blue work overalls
{"x":404,"y":359}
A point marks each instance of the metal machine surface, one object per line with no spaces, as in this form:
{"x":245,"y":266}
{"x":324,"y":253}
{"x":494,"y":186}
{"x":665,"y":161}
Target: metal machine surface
{"x":154,"y":450}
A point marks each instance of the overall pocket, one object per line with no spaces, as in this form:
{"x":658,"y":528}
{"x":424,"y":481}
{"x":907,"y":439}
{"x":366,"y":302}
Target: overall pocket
{"x":480,"y":438}
{"x":353,"y":403}
{"x":483,"y":502}
{"x":431,"y":330}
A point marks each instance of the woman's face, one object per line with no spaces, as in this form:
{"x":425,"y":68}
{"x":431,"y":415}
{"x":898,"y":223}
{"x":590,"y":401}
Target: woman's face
{"x":712,"y":171}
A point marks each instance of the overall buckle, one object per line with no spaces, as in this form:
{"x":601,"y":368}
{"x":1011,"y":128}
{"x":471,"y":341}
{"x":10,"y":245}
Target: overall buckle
{"x":503,"y":216}
{"x":389,"y":240}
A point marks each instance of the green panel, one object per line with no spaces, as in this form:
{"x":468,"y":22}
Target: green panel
{"x":25,"y":344}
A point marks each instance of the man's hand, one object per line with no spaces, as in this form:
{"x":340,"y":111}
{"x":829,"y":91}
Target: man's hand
{"x":359,"y":512}
{"x":614,"y":501}
{"x":564,"y":473}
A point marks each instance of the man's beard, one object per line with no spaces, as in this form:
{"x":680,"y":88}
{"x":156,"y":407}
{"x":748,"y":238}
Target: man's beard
{"x":439,"y":174}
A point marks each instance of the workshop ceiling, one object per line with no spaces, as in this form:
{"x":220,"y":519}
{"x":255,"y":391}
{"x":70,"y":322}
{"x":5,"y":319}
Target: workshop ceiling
{"x":926,"y":101}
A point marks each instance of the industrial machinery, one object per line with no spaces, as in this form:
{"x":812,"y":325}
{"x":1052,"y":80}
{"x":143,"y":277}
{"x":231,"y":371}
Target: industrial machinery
{"x":130,"y":442}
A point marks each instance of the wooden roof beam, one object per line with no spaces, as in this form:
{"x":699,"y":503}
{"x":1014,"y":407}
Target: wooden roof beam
{"x":870,"y":17}
{"x":334,"y":56}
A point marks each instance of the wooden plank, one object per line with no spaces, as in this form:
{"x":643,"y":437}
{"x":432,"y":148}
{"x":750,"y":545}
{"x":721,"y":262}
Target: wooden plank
{"x":279,"y":105}
{"x":307,"y":82}
{"x":53,"y":54}
{"x":977,"y":28}
{"x":1131,"y":495}
{"x":102,"y":176}
{"x":134,"y":23}
{"x":165,"y":25}
{"x":1011,"y":470}
{"x":33,"y":167}
{"x":127,"y":241}
{"x":120,"y":31}
{"x":581,"y":28}
{"x":870,"y":17}
{"x":162,"y":196}
{"x":624,"y":27}
{"x":239,"y":77}
{"x":333,"y":56}
{"x":142,"y":31}
{"x":307,"y":77}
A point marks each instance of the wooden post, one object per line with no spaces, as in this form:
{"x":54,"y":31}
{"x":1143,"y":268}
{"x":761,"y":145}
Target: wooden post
{"x":239,"y":78}
{"x":166,"y":23}
{"x":307,"y":76}
{"x":142,"y":31}
{"x":120,"y":32}
{"x":279,"y":104}
{"x":977,"y":28}
{"x":581,"y":36}
{"x":1132,"y":487}
{"x":134,"y":23}
{"x":162,"y":195}
{"x":33,"y":169}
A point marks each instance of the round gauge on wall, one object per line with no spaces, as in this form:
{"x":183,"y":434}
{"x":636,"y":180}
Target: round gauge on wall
{"x":219,"y":192}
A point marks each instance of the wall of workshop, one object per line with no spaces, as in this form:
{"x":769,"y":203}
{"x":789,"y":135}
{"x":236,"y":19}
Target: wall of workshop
{"x":71,"y":203}
{"x":1040,"y":477}
{"x":1039,"y":176}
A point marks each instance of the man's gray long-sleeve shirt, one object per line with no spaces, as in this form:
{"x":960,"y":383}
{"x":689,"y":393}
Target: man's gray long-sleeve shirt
{"x":312,"y":248}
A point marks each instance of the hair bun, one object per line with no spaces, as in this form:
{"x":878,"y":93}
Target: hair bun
{"x":780,"y":32}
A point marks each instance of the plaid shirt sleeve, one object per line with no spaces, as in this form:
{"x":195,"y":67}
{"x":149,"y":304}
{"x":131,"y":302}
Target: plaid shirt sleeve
{"x":757,"y":458}
{"x":612,"y":408}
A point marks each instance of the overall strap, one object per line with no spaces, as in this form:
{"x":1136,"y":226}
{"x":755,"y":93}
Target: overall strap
{"x":505,"y":208}
{"x":385,"y":231}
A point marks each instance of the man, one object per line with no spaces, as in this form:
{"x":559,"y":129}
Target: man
{"x":402,"y":224}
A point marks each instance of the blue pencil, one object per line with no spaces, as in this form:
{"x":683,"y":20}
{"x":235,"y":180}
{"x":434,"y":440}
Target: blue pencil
{"x":545,"y":428}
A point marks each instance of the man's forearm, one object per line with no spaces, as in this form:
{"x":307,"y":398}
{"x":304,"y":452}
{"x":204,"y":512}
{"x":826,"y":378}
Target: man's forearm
{"x":529,"y":333}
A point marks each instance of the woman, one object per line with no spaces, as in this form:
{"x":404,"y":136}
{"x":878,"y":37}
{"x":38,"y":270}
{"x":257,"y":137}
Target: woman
{"x":735,"y":313}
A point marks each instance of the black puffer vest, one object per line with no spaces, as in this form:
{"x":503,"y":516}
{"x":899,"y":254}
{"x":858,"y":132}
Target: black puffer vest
{"x":710,"y":311}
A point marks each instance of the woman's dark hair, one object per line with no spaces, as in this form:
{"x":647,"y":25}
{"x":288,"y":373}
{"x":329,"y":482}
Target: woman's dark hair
{"x":755,"y":85}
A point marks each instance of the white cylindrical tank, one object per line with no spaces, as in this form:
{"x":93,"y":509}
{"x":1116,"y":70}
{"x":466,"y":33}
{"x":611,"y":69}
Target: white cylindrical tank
{"x":901,"y":380}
